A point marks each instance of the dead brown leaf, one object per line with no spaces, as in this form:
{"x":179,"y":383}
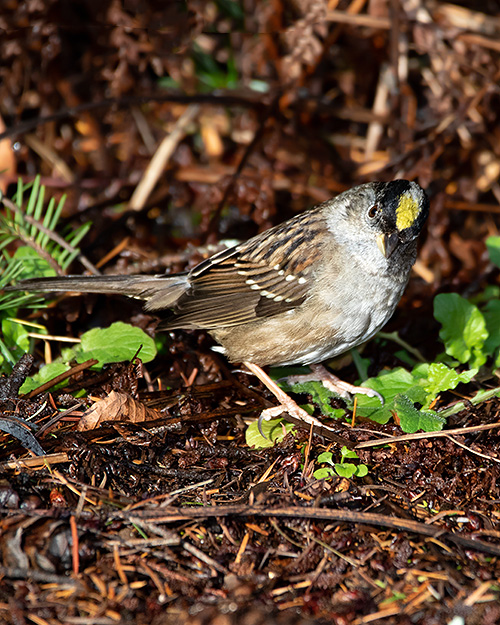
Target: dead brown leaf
{"x":116,"y":407}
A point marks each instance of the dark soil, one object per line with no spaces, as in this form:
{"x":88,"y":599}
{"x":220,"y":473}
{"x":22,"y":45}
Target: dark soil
{"x":174,"y":518}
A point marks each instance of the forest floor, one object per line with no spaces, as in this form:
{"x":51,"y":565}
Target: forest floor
{"x":171,"y":128}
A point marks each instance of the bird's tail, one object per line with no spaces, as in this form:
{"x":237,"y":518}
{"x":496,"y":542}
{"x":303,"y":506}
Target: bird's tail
{"x":158,"y":292}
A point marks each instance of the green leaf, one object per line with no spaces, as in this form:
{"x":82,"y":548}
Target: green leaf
{"x":7,"y":359}
{"x":320,"y":395}
{"x":361,"y":470}
{"x":15,"y":336}
{"x":360,"y":363}
{"x":412,"y":419}
{"x":402,"y":389}
{"x":405,"y":357}
{"x":324,"y":473}
{"x":389,"y":384}
{"x":480,"y":396}
{"x":212,"y":73}
{"x":491,"y":314}
{"x":326,"y":456}
{"x":10,"y":270}
{"x":493,"y":246}
{"x":345,"y":470}
{"x":464,"y":328}
{"x":117,"y":343}
{"x":441,"y":378}
{"x":46,"y":373}
{"x":345,"y":452}
{"x":275,"y":431}
{"x":66,"y":257}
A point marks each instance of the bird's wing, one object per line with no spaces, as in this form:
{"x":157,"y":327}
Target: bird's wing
{"x":262,"y":277}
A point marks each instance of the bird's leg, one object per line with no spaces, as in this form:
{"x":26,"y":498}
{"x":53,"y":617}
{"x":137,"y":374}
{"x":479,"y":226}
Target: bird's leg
{"x":286,"y":403}
{"x":333,"y":383}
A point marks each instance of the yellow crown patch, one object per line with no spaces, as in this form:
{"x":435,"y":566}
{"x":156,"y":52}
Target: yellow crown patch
{"x":406,"y":212}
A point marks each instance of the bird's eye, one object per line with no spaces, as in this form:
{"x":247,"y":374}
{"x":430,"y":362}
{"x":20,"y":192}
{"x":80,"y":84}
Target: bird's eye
{"x":373,"y":212}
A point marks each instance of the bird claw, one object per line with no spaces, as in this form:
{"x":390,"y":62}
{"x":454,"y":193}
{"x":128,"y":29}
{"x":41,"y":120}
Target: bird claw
{"x":373,"y":394}
{"x":338,"y":386}
{"x":259,"y":427}
{"x":267,"y":415}
{"x":335,"y":387}
{"x":288,"y":405}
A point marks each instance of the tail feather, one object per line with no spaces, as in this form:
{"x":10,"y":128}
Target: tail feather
{"x":158,"y":291}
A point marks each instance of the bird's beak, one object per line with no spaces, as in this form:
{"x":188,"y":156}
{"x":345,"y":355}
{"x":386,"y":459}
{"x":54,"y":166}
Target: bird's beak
{"x":387,"y":243}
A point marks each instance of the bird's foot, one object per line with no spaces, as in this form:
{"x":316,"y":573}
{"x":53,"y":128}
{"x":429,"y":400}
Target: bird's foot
{"x":290,"y":407}
{"x":333,"y":383}
{"x":287,"y":404}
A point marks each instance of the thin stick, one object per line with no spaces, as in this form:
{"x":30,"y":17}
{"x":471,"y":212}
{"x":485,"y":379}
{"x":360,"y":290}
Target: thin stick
{"x":422,"y":435}
{"x":170,"y":515}
{"x":160,"y":159}
{"x":60,"y":378}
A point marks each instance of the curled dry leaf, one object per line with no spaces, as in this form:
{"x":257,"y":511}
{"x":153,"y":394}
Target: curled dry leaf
{"x":116,"y":407}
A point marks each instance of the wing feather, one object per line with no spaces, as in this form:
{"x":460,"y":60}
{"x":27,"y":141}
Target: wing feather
{"x":264,"y":276}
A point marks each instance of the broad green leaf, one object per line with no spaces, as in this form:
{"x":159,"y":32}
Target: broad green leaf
{"x":463,"y":328}
{"x":440,"y":378}
{"x":15,"y":335}
{"x":326,"y":456}
{"x":117,"y":343}
{"x":345,"y":470}
{"x":389,"y":384}
{"x":14,"y":342}
{"x":275,"y":431}
{"x":323,"y":473}
{"x":46,"y":373}
{"x":412,"y":419}
{"x":493,"y":245}
{"x":420,"y":372}
{"x":361,"y":470}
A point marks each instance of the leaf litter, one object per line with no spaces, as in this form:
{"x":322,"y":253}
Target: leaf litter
{"x":175,"y":518}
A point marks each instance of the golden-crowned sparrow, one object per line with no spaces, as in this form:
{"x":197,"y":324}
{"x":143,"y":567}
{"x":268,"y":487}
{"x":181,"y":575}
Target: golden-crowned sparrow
{"x":302,"y":292}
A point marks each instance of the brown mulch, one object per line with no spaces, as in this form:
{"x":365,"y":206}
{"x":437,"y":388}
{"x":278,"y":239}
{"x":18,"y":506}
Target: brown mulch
{"x":165,"y":515}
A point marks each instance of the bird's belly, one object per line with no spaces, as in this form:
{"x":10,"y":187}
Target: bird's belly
{"x":304,"y":336}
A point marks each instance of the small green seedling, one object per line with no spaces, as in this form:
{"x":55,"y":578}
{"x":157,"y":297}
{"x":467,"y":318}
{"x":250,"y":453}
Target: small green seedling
{"x":342,"y":468}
